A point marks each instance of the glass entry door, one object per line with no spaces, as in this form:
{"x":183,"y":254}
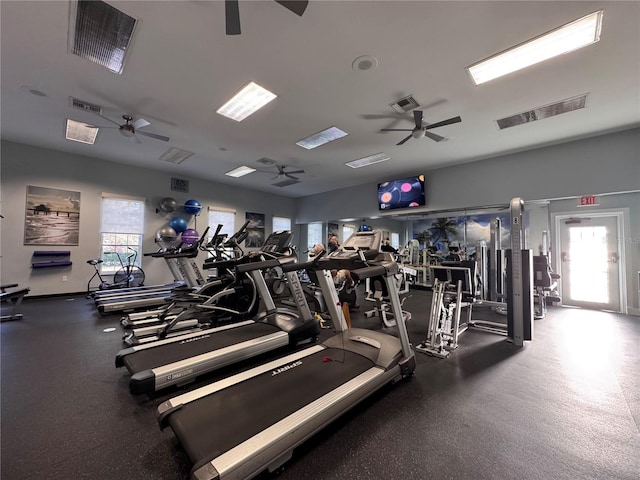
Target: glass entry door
{"x":590,"y":262}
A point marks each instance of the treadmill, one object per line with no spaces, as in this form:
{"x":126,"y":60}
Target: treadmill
{"x":227,"y":298}
{"x":179,"y":359}
{"x":239,"y":426}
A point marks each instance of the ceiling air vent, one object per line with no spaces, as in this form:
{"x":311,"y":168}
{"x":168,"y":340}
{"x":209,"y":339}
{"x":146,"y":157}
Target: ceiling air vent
{"x":551,"y":110}
{"x":82,"y":105}
{"x":175,"y":155}
{"x":100,"y":33}
{"x":405,"y":104}
{"x":266,"y":161}
{"x":284,"y":183}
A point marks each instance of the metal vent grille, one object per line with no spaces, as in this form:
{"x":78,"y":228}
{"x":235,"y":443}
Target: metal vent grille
{"x":405,"y":104}
{"x":82,"y":105}
{"x":100,"y":33}
{"x":175,"y":155}
{"x":284,"y":183}
{"x":546,"y":111}
{"x":266,"y":161}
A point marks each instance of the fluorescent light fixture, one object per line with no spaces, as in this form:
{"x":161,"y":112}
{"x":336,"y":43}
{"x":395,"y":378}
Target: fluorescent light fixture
{"x":175,"y":155}
{"x":569,"y":37}
{"x":325,"y":136}
{"x":247,"y":101}
{"x":80,"y":132}
{"x":370,"y":160}
{"x":240,"y":171}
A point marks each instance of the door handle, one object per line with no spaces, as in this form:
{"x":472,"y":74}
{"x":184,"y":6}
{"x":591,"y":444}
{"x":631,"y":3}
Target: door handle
{"x":614,"y":257}
{"x":565,"y":257}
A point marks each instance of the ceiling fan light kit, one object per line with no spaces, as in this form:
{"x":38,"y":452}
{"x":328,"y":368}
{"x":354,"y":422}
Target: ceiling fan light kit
{"x":420,"y":130}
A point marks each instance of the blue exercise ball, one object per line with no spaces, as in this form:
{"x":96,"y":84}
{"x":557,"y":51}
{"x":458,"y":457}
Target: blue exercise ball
{"x":192,"y":207}
{"x":179,"y":224}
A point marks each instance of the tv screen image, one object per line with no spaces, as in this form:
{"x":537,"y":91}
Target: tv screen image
{"x":402,"y":193}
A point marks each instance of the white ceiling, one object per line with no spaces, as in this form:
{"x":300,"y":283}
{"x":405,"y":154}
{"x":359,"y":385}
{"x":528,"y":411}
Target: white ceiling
{"x":182,"y":67}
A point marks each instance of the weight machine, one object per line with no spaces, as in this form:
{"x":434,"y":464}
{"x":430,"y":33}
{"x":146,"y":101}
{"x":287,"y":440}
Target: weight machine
{"x":456,"y":287}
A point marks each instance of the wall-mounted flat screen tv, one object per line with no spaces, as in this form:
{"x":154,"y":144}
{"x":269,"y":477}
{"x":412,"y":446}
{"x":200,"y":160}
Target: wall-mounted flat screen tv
{"x":402,"y":193}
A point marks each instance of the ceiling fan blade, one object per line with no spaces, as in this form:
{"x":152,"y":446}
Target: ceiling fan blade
{"x":291,"y":177}
{"x":293,"y":171}
{"x":433,"y":136}
{"x":449,"y":121}
{"x":404,"y":139}
{"x":154,"y":135}
{"x":232,"y":17}
{"x":396,"y":129}
{"x":277,"y":176}
{"x":417,"y":116}
{"x":108,"y":119}
{"x":140,"y":123}
{"x":296,"y":6}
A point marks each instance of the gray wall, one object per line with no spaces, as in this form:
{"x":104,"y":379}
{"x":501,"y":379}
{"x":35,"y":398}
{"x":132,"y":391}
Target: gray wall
{"x":607,"y":163}
{"x":24,"y":165}
{"x":604,"y":164}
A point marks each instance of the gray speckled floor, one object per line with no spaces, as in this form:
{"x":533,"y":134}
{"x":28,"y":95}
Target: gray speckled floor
{"x":567,"y":406}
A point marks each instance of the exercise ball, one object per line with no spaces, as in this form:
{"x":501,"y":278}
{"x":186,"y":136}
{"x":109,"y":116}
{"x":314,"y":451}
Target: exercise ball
{"x":192,"y":207}
{"x":166,"y":234}
{"x":190,"y":236}
{"x":168,"y":205}
{"x":179,"y":224}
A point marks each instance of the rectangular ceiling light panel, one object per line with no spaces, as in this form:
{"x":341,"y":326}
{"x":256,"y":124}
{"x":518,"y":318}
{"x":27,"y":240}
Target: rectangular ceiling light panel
{"x":240,"y":171}
{"x":572,"y":36}
{"x":80,"y":132}
{"x":325,"y":136}
{"x":546,"y":111}
{"x":247,"y":101}
{"x":370,"y":160}
{"x":100,"y":33}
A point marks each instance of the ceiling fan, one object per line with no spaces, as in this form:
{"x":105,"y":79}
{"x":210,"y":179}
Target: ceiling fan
{"x":130,"y":128}
{"x":232,"y":14}
{"x":283,"y":173}
{"x":286,"y":177}
{"x":420,"y":130}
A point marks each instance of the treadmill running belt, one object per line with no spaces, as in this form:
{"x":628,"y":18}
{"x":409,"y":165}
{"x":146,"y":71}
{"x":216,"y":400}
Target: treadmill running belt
{"x":150,"y":358}
{"x":261,"y":401}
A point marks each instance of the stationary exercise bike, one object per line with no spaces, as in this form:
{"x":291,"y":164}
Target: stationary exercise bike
{"x":127,"y":276}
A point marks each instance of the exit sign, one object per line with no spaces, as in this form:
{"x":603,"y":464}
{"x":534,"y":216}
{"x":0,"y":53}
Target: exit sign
{"x":588,"y":200}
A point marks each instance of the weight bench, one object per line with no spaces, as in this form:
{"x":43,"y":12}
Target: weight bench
{"x":14,"y":298}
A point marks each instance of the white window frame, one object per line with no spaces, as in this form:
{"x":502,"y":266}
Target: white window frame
{"x":120,"y":238}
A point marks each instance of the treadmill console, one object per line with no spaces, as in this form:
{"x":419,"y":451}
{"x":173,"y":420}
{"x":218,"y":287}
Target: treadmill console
{"x":277,"y":242}
{"x":355,"y":252}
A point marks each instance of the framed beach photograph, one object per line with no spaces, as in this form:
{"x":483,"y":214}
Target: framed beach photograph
{"x":52,"y":216}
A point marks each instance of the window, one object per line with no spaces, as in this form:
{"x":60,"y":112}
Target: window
{"x":225,"y":217}
{"x":347,"y":231}
{"x":395,"y":240}
{"x":281,"y":223}
{"x":314,"y":234}
{"x":121,"y":230}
